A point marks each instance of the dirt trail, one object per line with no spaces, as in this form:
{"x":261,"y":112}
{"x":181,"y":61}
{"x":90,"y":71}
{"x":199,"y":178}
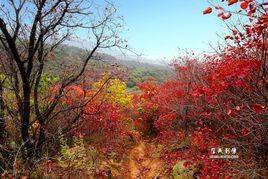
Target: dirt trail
{"x":141,"y":163}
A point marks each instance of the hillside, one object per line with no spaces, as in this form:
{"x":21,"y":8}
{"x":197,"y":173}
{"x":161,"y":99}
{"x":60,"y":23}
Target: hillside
{"x":111,"y":113}
{"x":136,"y":71}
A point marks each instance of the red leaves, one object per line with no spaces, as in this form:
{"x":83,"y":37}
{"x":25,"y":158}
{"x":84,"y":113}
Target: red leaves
{"x":249,"y":5}
{"x":230,"y":111}
{"x":245,"y":132}
{"x":244,"y":5}
{"x":238,"y":108}
{"x":264,"y":18}
{"x":149,"y":88}
{"x":165,"y":122}
{"x":186,"y":164}
{"x":258,"y":108}
{"x":226,"y":16}
{"x":76,"y":91}
{"x":228,"y":37}
{"x":234,"y":32}
{"x":207,"y":10}
{"x":231,"y":2}
{"x":212,"y":100}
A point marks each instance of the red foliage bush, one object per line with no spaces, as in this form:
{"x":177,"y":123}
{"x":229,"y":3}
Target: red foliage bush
{"x":95,"y":118}
{"x":219,"y":102}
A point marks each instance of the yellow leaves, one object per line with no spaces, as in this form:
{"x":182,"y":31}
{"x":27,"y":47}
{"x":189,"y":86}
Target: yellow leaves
{"x":114,"y":92}
{"x":78,"y":157}
{"x":2,"y":76}
{"x":113,"y":165}
{"x":36,"y":125}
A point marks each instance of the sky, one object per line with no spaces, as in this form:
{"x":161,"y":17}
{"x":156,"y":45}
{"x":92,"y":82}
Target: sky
{"x":158,"y":28}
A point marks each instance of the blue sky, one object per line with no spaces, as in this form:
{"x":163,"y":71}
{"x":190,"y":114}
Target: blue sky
{"x":157,"y":28}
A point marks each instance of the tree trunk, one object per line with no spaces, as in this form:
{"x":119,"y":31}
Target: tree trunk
{"x":25,"y":120}
{"x":2,"y":122}
{"x":3,"y":151}
{"x":41,"y":140}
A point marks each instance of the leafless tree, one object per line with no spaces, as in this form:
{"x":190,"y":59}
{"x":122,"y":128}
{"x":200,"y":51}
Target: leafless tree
{"x":29,"y":31}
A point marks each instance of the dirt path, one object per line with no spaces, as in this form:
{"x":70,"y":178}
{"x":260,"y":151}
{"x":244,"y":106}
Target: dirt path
{"x":141,"y":162}
{"x":141,"y":165}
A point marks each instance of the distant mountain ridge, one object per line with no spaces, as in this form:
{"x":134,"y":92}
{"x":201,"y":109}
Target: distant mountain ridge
{"x":138,"y":71}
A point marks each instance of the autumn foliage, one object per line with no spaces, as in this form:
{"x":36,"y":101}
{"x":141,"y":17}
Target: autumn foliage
{"x":218,"y":101}
{"x":215,"y":101}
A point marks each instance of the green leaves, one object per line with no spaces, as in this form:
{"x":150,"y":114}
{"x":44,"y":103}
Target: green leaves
{"x":46,"y":82}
